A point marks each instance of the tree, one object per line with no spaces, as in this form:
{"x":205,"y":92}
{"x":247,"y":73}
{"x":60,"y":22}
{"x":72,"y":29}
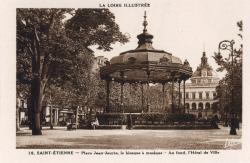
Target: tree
{"x":232,"y":82}
{"x":48,"y":46}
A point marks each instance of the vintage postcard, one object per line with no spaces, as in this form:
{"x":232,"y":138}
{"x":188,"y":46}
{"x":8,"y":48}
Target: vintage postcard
{"x":91,"y":81}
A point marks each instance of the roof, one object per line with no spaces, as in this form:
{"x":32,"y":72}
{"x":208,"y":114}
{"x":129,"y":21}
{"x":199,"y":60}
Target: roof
{"x":145,"y":64}
{"x":204,"y":71}
{"x":145,"y":52}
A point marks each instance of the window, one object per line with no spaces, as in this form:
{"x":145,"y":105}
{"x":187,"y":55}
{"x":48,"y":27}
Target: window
{"x":193,"y":106}
{"x":187,"y":106}
{"x":193,"y":95}
{"x":200,"y":106}
{"x":200,"y":95}
{"x":207,"y":95}
{"x":187,"y":97}
{"x":214,"y":94}
{"x":207,"y":106}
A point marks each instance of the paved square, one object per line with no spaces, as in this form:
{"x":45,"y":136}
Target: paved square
{"x":129,"y":139}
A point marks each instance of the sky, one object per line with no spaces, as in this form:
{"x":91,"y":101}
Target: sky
{"x":182,"y":28}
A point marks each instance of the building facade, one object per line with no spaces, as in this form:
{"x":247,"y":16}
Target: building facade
{"x":200,"y":93}
{"x":61,"y":116}
{"x":98,"y":62}
{"x":22,"y":110}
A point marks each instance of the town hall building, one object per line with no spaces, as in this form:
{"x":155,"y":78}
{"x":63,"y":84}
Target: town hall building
{"x":201,"y":92}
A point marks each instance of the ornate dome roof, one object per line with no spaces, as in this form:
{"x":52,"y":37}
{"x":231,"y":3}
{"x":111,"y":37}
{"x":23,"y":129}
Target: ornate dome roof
{"x":145,"y":52}
{"x":146,"y":64}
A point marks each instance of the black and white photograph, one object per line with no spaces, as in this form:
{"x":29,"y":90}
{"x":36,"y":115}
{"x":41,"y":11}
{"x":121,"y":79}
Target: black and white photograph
{"x":128,"y":78}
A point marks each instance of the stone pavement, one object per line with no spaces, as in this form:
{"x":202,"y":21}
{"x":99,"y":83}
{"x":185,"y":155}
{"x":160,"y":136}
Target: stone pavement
{"x":59,"y":137}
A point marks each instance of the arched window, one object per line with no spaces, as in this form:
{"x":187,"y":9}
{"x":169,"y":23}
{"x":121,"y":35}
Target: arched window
{"x":187,"y":106}
{"x":193,"y":106}
{"x":207,"y":106}
{"x":200,"y":106}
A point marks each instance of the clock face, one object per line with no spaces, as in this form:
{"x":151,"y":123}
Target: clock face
{"x":204,"y":73}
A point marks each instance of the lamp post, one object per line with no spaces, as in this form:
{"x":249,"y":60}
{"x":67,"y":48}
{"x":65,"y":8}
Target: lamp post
{"x":227,"y":45}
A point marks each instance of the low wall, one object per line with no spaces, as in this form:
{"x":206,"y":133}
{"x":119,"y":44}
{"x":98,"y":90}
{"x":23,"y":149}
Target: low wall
{"x":156,"y":127}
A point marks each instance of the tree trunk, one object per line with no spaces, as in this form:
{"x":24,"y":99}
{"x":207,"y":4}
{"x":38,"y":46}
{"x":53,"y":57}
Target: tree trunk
{"x":36,"y":130}
{"x":37,"y":96}
{"x":39,"y":74}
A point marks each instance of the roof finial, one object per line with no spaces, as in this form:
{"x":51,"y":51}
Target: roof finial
{"x":204,"y":47}
{"x":145,"y":23}
{"x":145,"y":39}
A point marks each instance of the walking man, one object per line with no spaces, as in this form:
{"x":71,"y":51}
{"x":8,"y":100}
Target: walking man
{"x":234,"y":124}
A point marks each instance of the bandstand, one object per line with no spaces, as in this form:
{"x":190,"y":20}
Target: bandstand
{"x":145,"y":65}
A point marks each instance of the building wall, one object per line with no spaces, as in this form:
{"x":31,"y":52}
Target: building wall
{"x":201,"y":91}
{"x":200,"y":96}
{"x":99,"y":61}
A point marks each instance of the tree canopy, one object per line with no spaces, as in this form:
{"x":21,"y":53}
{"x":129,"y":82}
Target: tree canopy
{"x":53,"y":49}
{"x":232,"y":82}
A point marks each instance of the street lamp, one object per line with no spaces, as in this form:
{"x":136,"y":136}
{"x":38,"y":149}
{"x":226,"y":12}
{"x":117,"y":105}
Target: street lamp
{"x":227,"y":45}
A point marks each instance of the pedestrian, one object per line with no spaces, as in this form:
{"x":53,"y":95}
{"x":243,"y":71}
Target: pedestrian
{"x":234,"y":123}
{"x":214,"y":121}
{"x":95,"y":123}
